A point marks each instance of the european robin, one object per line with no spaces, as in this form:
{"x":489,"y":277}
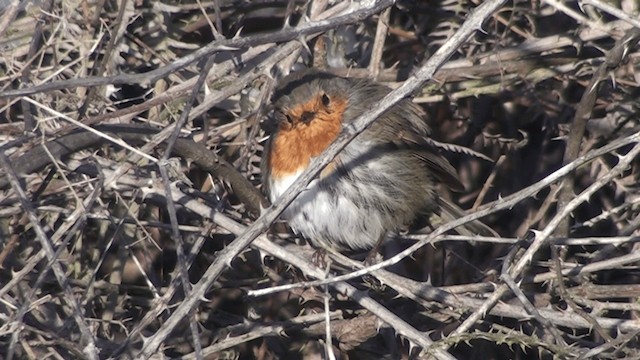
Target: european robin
{"x":382,"y":182}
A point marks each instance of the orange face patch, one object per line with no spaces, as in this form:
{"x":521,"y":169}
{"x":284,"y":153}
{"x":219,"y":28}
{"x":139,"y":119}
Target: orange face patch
{"x":295,"y":144}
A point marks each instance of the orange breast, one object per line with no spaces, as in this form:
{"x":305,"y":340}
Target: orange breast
{"x":294,"y":146}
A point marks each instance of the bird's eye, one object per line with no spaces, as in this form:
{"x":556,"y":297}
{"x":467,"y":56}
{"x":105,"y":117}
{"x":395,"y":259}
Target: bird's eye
{"x":326,"y":100}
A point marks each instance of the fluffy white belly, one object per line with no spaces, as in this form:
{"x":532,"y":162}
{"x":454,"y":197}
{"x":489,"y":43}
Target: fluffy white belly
{"x":320,"y":214}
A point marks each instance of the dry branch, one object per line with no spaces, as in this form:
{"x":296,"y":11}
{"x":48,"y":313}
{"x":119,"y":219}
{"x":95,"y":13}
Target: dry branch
{"x":111,"y":248}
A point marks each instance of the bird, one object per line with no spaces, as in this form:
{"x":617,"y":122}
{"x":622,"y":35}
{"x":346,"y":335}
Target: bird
{"x":381,"y":183}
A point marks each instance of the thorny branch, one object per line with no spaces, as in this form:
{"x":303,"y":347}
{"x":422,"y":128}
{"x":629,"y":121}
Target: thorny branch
{"x":547,"y":90}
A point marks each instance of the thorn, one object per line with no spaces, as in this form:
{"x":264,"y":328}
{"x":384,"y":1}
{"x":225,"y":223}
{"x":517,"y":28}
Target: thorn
{"x":231,"y":48}
{"x":411,"y":346}
{"x":304,"y":45}
{"x":581,"y":6}
{"x":613,"y":80}
{"x":237,"y":34}
{"x":263,"y":209}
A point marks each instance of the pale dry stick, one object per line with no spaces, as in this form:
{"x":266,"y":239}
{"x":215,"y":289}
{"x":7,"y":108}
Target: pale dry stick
{"x":68,"y":230}
{"x":589,"y":268}
{"x":361,"y":11}
{"x":10,"y":11}
{"x":611,"y":10}
{"x":22,"y":273}
{"x":560,"y":6}
{"x":512,"y":58}
{"x":632,"y":226}
{"x":471,"y":88}
{"x":508,"y":24}
{"x":143,"y":272}
{"x":131,"y":211}
{"x":106,"y":63}
{"x":593,"y":291}
{"x":583,"y":112}
{"x":504,"y":203}
{"x":90,"y":348}
{"x":35,"y":48}
{"x":122,"y":251}
{"x":378,"y":44}
{"x":531,"y":310}
{"x":473,"y":23}
{"x":63,"y":176}
{"x":212,"y":99}
{"x":215,"y":29}
{"x":92,"y":130}
{"x":116,"y":274}
{"x":418,"y":292}
{"x":317,"y":6}
{"x":473,"y":238}
{"x":218,"y":72}
{"x":244,"y":80}
{"x":262,"y":243}
{"x":548,"y":43}
{"x":63,"y":67}
{"x":566,"y":296}
{"x":595,"y":240}
{"x":333,"y":11}
{"x":541,"y":237}
{"x":237,"y":85}
{"x":592,"y":240}
{"x":262,"y":331}
{"x":617,"y":342}
{"x":488,"y":182}
{"x":170,"y":8}
{"x":176,"y":236}
{"x":541,"y":210}
{"x":408,"y":288}
{"x":598,"y":307}
{"x":173,"y":93}
{"x":327,"y":321}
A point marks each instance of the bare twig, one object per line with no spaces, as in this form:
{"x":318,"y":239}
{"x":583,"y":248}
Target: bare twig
{"x":541,"y":238}
{"x":359,"y":13}
{"x":611,"y":10}
{"x":378,"y":44}
{"x":357,"y":126}
{"x":45,"y":242}
{"x":484,"y":210}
